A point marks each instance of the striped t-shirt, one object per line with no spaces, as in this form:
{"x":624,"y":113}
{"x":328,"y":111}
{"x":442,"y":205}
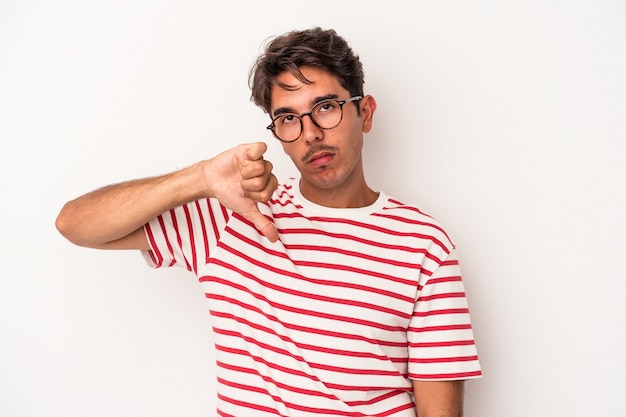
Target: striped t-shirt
{"x":335,"y":318}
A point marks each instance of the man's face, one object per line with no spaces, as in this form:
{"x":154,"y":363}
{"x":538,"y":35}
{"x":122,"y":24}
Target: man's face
{"x":326,"y":159}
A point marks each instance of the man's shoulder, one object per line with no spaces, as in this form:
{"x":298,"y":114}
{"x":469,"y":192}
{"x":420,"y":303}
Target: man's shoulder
{"x":414,"y":220}
{"x":399,"y":208}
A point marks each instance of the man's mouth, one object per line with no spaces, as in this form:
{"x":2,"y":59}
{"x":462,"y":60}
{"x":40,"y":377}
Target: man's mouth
{"x":321,"y":159}
{"x":319,"y":156}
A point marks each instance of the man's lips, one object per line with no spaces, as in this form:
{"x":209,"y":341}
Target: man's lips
{"x":320,"y":158}
{"x":319,"y":155}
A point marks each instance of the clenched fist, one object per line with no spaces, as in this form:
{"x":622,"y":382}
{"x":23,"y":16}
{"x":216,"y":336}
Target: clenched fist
{"x":240,"y":178}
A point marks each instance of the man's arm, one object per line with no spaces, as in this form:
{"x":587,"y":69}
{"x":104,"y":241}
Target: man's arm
{"x":438,"y":398}
{"x":112,"y":217}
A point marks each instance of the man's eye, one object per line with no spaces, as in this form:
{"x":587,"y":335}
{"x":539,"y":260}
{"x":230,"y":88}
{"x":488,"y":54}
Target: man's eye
{"x":327,"y":106}
{"x":288,"y":119}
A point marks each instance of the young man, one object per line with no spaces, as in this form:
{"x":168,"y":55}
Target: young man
{"x":326,"y":297}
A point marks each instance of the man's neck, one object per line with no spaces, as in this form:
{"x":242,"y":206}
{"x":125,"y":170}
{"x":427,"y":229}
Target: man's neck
{"x":339,"y":197}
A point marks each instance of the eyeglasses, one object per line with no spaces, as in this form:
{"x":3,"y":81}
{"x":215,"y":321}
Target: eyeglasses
{"x":327,"y":114}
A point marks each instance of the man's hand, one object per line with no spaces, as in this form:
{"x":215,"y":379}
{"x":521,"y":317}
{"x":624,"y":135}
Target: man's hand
{"x":239,"y":178}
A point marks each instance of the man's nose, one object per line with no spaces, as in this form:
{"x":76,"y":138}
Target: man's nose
{"x":311,"y":132}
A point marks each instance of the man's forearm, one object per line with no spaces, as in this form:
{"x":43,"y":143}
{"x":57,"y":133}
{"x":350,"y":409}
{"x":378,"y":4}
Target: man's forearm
{"x":438,"y":398}
{"x":116,"y":211}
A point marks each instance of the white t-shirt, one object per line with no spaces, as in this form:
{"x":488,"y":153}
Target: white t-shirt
{"x":336,"y":317}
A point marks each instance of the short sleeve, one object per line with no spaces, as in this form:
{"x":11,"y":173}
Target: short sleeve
{"x":441,"y":341}
{"x":186,"y":235}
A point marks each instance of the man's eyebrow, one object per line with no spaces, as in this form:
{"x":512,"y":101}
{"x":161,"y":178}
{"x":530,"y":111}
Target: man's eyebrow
{"x":289,"y":110}
{"x":326,"y":97}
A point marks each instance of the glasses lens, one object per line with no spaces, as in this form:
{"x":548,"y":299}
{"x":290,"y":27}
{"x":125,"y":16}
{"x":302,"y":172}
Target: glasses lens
{"x":327,"y":114}
{"x":287,"y":127}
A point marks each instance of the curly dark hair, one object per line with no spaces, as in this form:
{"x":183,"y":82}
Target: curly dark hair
{"x":314,"y":47}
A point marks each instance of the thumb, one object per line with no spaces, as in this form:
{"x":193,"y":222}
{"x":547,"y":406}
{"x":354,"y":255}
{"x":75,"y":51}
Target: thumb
{"x":262,"y":223}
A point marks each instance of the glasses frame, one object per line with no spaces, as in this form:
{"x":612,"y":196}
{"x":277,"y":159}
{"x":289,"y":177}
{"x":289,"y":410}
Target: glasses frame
{"x":272,"y":126}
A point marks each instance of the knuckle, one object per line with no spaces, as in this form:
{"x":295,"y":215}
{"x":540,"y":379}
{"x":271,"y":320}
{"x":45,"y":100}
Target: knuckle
{"x":265,"y":195}
{"x":253,"y":184}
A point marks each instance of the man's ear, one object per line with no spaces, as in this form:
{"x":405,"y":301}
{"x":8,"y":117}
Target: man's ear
{"x":368,"y":107}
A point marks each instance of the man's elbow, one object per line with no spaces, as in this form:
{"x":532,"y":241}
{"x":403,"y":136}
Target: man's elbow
{"x":66,"y":224}
{"x":63,"y":223}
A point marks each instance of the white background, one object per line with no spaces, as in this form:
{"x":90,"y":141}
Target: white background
{"x":505,"y":120}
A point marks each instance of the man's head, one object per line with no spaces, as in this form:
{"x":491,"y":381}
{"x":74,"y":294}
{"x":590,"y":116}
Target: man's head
{"x":311,"y":84}
{"x":318,"y":48}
